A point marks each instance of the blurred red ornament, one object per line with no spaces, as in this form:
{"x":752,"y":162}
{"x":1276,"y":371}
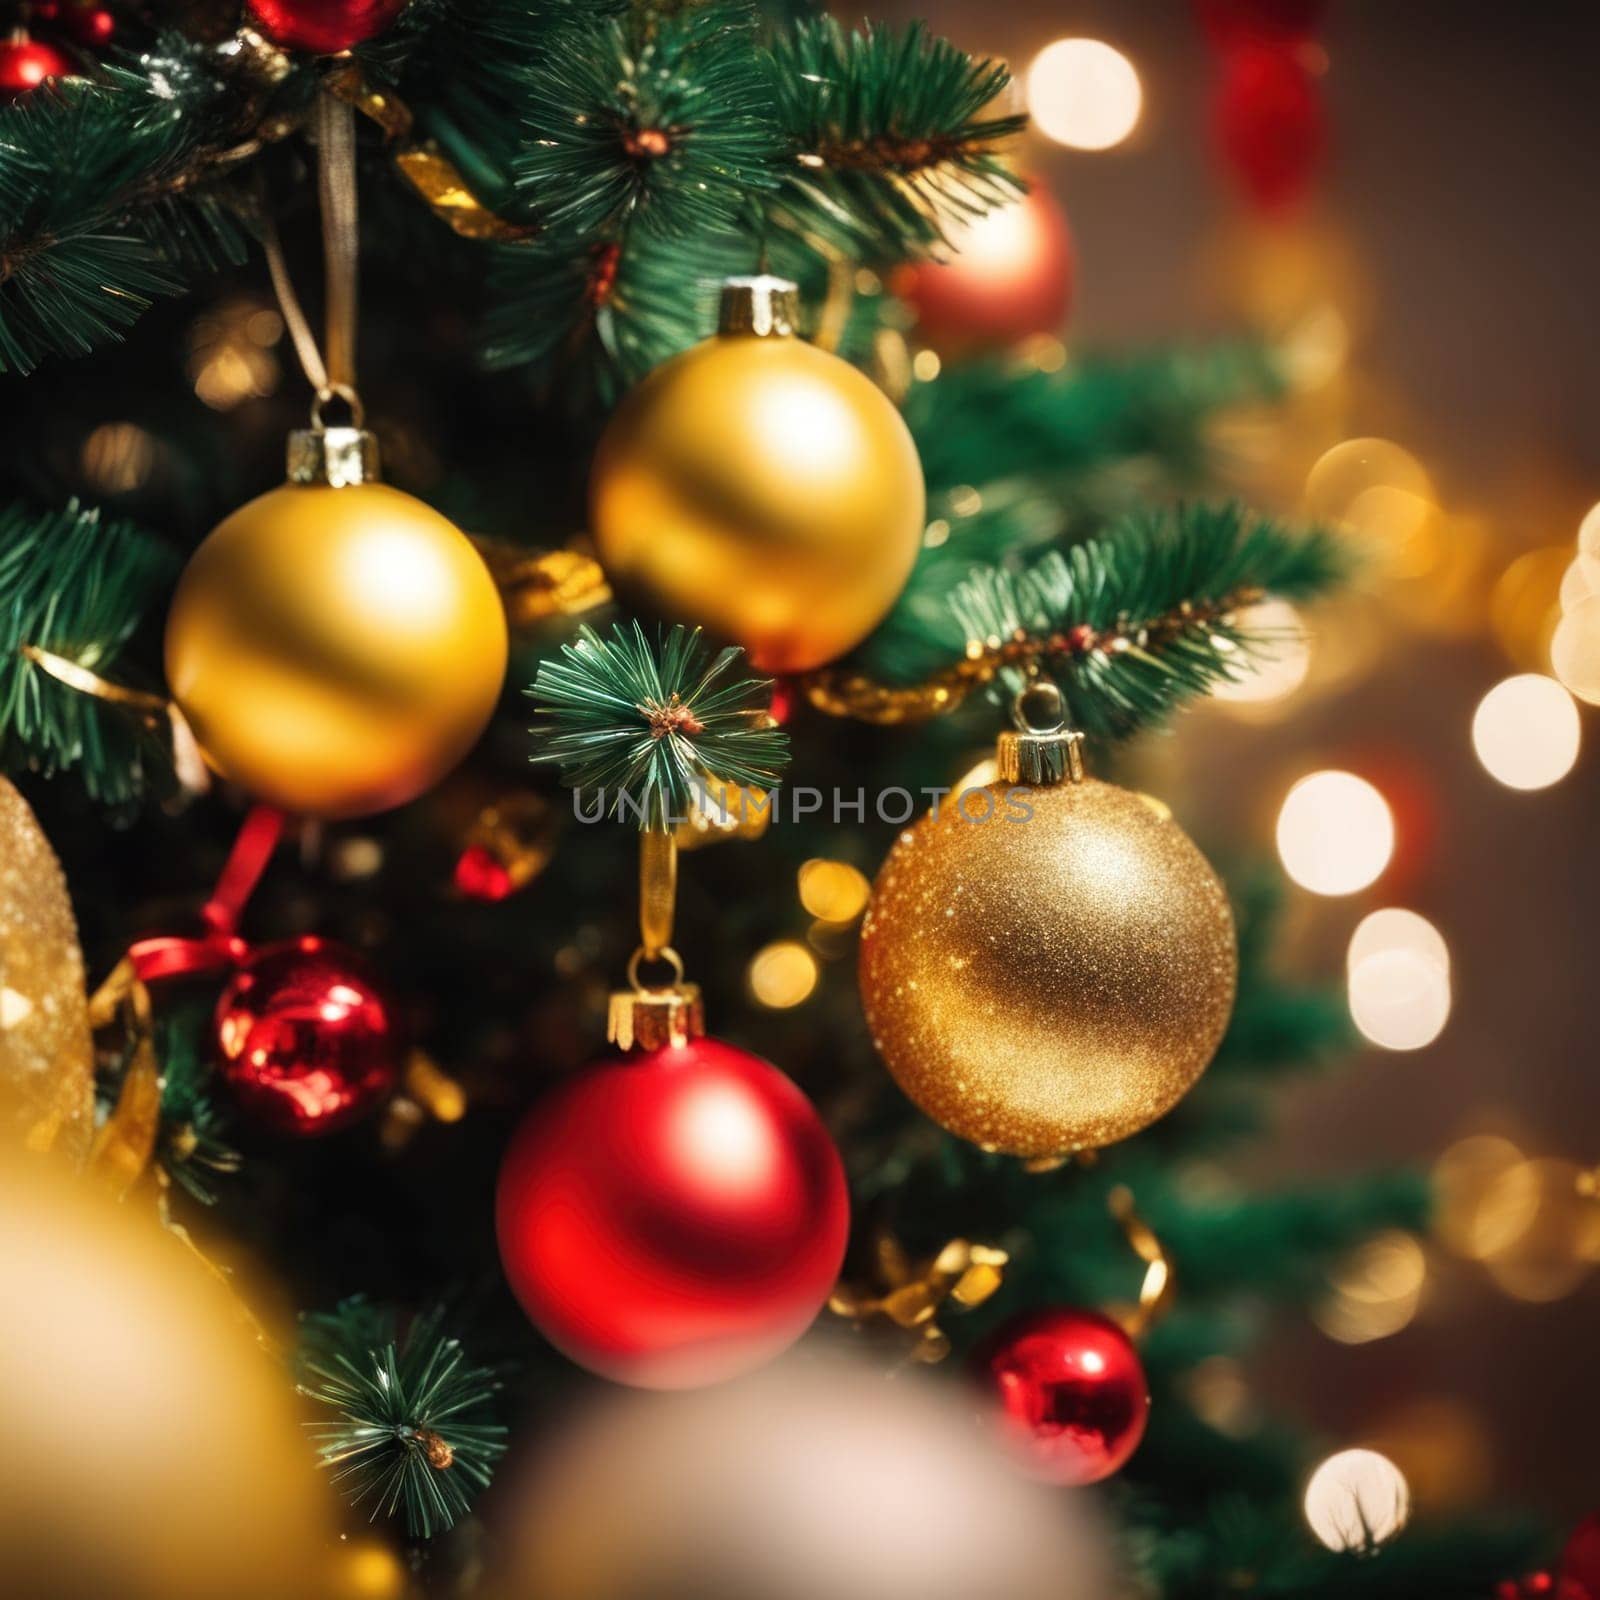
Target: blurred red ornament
{"x":1580,"y":1561}
{"x":25,"y":63}
{"x":1271,"y":125}
{"x":1070,"y":1392}
{"x":1541,"y":1586}
{"x":306,"y":1038}
{"x":1010,"y":274}
{"x":88,"y":23}
{"x":324,"y":27}
{"x":479,"y":876}
{"x":782,"y":707}
{"x":673,"y":1217}
{"x":1232,"y":23}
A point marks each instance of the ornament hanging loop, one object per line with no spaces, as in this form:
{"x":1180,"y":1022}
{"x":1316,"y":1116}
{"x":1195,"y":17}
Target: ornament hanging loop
{"x":658,"y":894}
{"x":1155,"y":1292}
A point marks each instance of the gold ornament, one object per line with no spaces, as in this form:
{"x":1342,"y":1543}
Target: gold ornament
{"x":336,"y":645}
{"x":46,"y":1053}
{"x":1047,"y":965}
{"x":762,"y":488}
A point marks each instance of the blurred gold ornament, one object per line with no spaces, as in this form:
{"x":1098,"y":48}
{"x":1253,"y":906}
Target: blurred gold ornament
{"x":762,"y":488}
{"x":1048,"y":968}
{"x":46,"y":1053}
{"x":719,"y":810}
{"x":366,"y":1569}
{"x":151,"y":1451}
{"x":543,"y":583}
{"x":336,"y":645}
{"x":911,"y":1294}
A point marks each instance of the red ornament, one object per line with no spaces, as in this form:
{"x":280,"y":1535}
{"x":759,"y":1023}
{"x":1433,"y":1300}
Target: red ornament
{"x":1580,"y":1561}
{"x":25,"y":63}
{"x":481,"y":875}
{"x":1271,"y":127}
{"x":1010,"y":275}
{"x":306,"y":1037}
{"x":673,"y":1217}
{"x":324,"y":27}
{"x":88,"y":23}
{"x":1070,"y":1391}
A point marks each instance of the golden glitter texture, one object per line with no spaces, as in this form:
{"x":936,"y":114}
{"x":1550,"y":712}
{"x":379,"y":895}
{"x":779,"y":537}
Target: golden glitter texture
{"x":46,"y":1054}
{"x":762,"y":488}
{"x":336,"y":650}
{"x":1051,"y":984}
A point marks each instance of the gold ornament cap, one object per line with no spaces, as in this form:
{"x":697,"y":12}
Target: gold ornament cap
{"x":1041,"y":750}
{"x":763,"y":305}
{"x":642,"y":1018}
{"x":337,"y":457}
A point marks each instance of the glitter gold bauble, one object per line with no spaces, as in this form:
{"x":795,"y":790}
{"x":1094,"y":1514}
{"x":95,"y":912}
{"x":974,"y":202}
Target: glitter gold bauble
{"x":336,"y":644}
{"x":1046,"y":966}
{"x":46,"y":1054}
{"x":762,"y":488}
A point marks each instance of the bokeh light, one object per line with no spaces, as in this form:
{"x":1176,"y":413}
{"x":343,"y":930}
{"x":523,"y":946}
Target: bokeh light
{"x":1357,"y":1500}
{"x":1575,"y":649}
{"x":1589,"y":542}
{"x":1525,"y":604}
{"x":1278,"y":660}
{"x":1398,"y":970}
{"x":1083,"y":94}
{"x":1526,"y":731}
{"x":1375,"y":1290}
{"x":1379,"y":494}
{"x":1335,"y":833}
{"x":834,"y":891}
{"x":1472,"y":1215}
{"x":1548,"y":1223}
{"x":1575,"y":584}
{"x":783,"y":974}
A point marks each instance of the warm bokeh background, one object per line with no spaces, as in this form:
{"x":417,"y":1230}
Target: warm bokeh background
{"x":1453,"y":238}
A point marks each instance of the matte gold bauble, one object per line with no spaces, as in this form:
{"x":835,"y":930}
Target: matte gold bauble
{"x":336,"y":645}
{"x":1046,"y":967}
{"x":762,"y":488}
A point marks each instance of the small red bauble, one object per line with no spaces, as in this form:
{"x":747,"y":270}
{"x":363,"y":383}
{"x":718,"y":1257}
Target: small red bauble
{"x":1580,"y":1561}
{"x":1070,"y":1392}
{"x":88,"y":23}
{"x":325,"y":27}
{"x":1010,"y":275}
{"x":1271,"y":127}
{"x":673,"y":1217}
{"x":25,"y":63}
{"x":306,"y":1038}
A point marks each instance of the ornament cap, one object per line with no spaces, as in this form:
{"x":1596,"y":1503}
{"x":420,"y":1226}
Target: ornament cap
{"x":763,"y":305}
{"x":652,"y":1019}
{"x":337,"y":457}
{"x":1045,"y":759}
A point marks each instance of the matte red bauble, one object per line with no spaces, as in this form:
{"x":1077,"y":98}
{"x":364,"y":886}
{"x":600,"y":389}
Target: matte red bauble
{"x":1580,"y":1561}
{"x":306,"y":1037}
{"x":1010,"y":274}
{"x":1271,"y":127}
{"x":1069,"y":1391}
{"x":25,"y":63}
{"x":324,"y":27}
{"x":673,"y":1217}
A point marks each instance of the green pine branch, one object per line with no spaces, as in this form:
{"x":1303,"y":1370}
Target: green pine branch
{"x":76,"y":586}
{"x":646,"y":724}
{"x":414,"y":1433}
{"x":98,"y":216}
{"x":892,"y":137}
{"x":659,"y":120}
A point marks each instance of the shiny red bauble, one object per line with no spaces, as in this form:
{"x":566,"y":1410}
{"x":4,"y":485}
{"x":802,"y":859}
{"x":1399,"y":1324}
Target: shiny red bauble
{"x":1271,"y":125}
{"x":1069,"y":1393}
{"x":25,"y":63}
{"x":324,"y":27}
{"x":1010,"y":274}
{"x":673,"y":1217}
{"x":306,"y":1037}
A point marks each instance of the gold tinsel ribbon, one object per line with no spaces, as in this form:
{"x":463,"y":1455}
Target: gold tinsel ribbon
{"x":152,"y":708}
{"x":1156,"y":1289}
{"x":421,"y":162}
{"x":911,"y":1295}
{"x":540,"y":584}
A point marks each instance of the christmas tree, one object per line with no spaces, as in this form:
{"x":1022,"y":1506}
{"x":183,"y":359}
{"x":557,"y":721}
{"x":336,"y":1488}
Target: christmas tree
{"x":834,"y":594}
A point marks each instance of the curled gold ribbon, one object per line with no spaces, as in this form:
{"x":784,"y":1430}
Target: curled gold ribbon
{"x":1156,"y":1290}
{"x":155,"y":709}
{"x":540,"y":584}
{"x":912,"y":1294}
